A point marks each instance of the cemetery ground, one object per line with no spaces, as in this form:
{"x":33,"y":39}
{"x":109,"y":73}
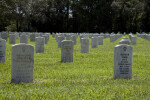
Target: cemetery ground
{"x":89,"y":76}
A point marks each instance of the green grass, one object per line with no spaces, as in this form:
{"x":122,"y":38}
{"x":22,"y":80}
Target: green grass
{"x":89,"y":77}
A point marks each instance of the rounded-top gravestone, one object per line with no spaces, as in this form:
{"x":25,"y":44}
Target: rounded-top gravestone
{"x":39,"y":44}
{"x":12,"y":39}
{"x":60,"y":39}
{"x":124,"y":41}
{"x":67,"y":51}
{"x":22,"y":63}
{"x":94,"y":42}
{"x":2,"y":50}
{"x":84,"y":45}
{"x":24,"y":39}
{"x":32,"y":37}
{"x":123,"y":54}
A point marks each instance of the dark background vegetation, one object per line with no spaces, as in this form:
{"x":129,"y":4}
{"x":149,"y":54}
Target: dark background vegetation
{"x":75,"y":15}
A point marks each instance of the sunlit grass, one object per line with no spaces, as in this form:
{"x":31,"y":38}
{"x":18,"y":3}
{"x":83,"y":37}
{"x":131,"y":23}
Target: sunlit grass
{"x":90,"y":76}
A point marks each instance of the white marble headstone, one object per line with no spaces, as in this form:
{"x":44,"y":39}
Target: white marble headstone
{"x":73,"y":38}
{"x":133,"y":40}
{"x":4,"y":35}
{"x":46,"y":38}
{"x":2,"y":50}
{"x":67,"y":51}
{"x":124,"y":41}
{"x":84,"y":45}
{"x":68,"y":37}
{"x":22,"y":63}
{"x":32,"y":37}
{"x":12,"y":39}
{"x":39,"y":44}
{"x":53,"y":35}
{"x":24,"y":39}
{"x":123,"y":61}
{"x":60,"y":39}
{"x":94,"y":42}
{"x":17,"y":35}
{"x":37,"y":35}
{"x":100,"y":40}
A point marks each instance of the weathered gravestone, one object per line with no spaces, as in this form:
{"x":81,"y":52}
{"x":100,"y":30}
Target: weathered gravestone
{"x":24,"y":39}
{"x":123,"y":61}
{"x":12,"y":39}
{"x":2,"y":50}
{"x":84,"y":45}
{"x":39,"y":44}
{"x":60,"y":39}
{"x":67,"y":51}
{"x":32,"y":37}
{"x":100,"y":40}
{"x":94,"y":42}
{"x":22,"y":63}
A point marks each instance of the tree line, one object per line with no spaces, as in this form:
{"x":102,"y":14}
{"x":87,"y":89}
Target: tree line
{"x":75,"y":15}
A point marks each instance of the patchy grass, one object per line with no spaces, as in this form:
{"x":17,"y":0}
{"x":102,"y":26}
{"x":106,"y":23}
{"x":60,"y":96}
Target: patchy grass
{"x":90,"y":76}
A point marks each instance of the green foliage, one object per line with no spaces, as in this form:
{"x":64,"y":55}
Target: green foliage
{"x":127,"y":15}
{"x":88,"y":15}
{"x":12,"y":27}
{"x":90,"y":76}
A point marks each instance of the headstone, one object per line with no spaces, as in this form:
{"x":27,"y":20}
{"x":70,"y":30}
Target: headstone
{"x":12,"y":39}
{"x":46,"y":38}
{"x":4,"y":35}
{"x":67,"y":51}
{"x":81,"y":36}
{"x":123,"y":61}
{"x":94,"y":42}
{"x":53,"y":35}
{"x":32,"y":37}
{"x":60,"y":39}
{"x":124,"y":41}
{"x":39,"y":44}
{"x":2,"y":50}
{"x":73,"y":38}
{"x":48,"y":35}
{"x":37,"y":35}
{"x":57,"y":37}
{"x":124,"y":33}
{"x":17,"y":35}
{"x":24,"y":39}
{"x":100,"y":40}
{"x":84,"y":45}
{"x":133,"y":40}
{"x":68,"y":37}
{"x":22,"y":63}
{"x":112,"y":38}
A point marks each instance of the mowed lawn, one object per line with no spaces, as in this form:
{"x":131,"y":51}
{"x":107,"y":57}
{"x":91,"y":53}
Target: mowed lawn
{"x":89,"y":77}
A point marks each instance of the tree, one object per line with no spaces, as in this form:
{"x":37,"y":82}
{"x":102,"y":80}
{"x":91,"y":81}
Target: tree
{"x":127,"y":15}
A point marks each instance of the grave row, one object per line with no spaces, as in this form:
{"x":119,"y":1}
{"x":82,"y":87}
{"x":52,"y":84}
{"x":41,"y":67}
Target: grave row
{"x":23,"y":54}
{"x":144,"y":36}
